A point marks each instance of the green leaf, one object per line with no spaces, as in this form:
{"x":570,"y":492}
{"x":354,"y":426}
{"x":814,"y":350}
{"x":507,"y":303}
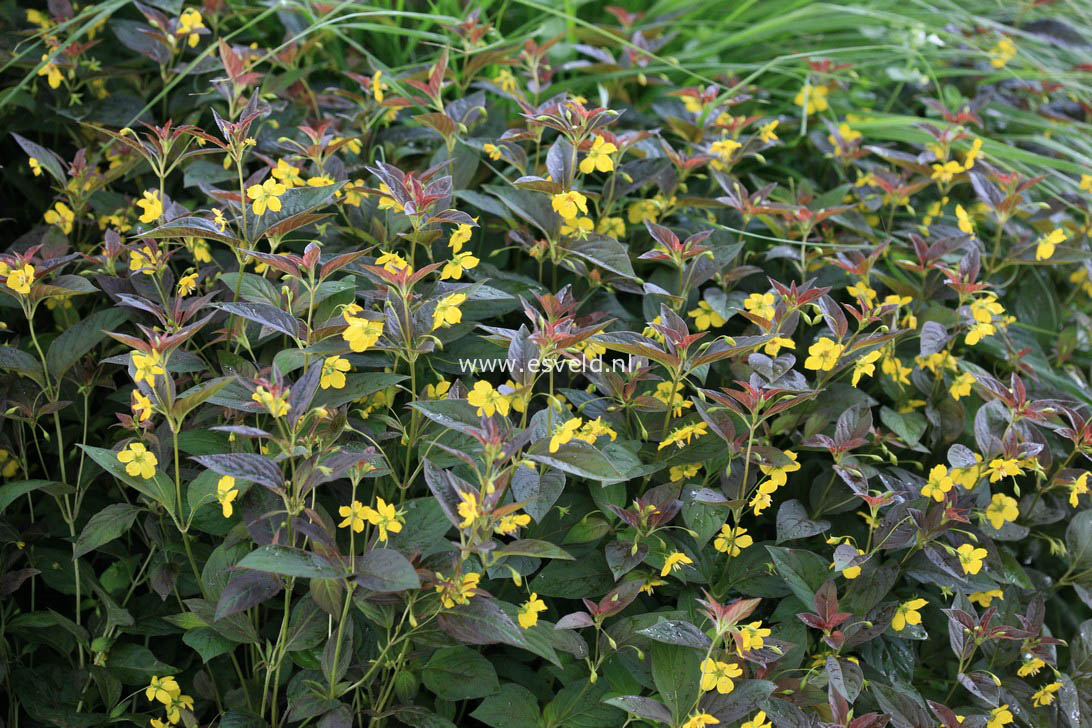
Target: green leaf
{"x":588,"y":576}
{"x":135,"y":664}
{"x":288,"y":561}
{"x":533,"y":207}
{"x":47,"y":159}
{"x":103,"y":527}
{"x":576,"y":458}
{"x":793,"y":522}
{"x":675,"y":673}
{"x":357,"y":386}
{"x":267,"y":315}
{"x":514,"y":706}
{"x":386,"y":570}
{"x":10,"y":492}
{"x":1078,"y":540}
{"x":803,"y":571}
{"x":531,"y":547}
{"x":604,"y":252}
{"x":20,"y":362}
{"x":459,"y":673}
{"x":75,"y":341}
{"x":207,"y":643}
{"x":192,"y":226}
{"x":677,"y":632}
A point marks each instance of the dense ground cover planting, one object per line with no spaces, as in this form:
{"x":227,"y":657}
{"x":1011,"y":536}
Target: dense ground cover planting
{"x":527,"y":365}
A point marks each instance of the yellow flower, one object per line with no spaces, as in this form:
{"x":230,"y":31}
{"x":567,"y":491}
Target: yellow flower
{"x":488,"y":400}
{"x":1002,"y":53}
{"x":1078,"y":488}
{"x":674,"y":562}
{"x":598,"y":157}
{"x":455,"y":267}
{"x":577,"y":227}
{"x":848,"y":134}
{"x":388,"y":201}
{"x":189,"y":22}
{"x":612,"y":226}
{"x":355,"y":516}
{"x":893,"y":367}
{"x":226,"y":492}
{"x":378,"y":86}
{"x":778,"y":474}
{"x":1031,"y":666}
{"x":1045,"y":695}
{"x":641,"y":209}
{"x":175,"y":707}
{"x":384,"y":516}
{"x":511,"y":523}
{"x":505,"y":80}
{"x":1045,"y":247}
{"x":964,"y":221}
{"x":717,"y":674}
{"x":493,"y":151}
{"x":1001,"y":510}
{"x":564,"y":432}
{"x":684,"y":434}
{"x":985,"y":598}
{"x":699,"y":720}
{"x":594,"y":429}
{"x":681,"y":472}
{"x":20,"y":279}
{"x":447,"y":311}
{"x":970,"y":558}
{"x":201,"y":252}
{"x":152,"y":206}
{"x":528,"y":613}
{"x":865,"y":366}
{"x":468,"y":508}
{"x":961,"y":386}
{"x":732,"y":541}
{"x":35,"y":167}
{"x":752,"y":637}
{"x":823,"y":355}
{"x":761,"y":304}
{"x":438,"y":390}
{"x":361,"y":333}
{"x":672,"y":397}
{"x":333,"y":372}
{"x":940,"y":482}
{"x":1000,"y":716}
{"x":907,"y":613}
{"x":816,"y":99}
{"x":1086,"y":182}
{"x":946,"y":172}
{"x":218,"y":218}
{"x":276,"y":406}
{"x":773,"y":346}
{"x":51,"y":71}
{"x":568,"y":204}
{"x":287,"y":174}
{"x":759,"y":721}
{"x":766,"y":131}
{"x":452,"y":593}
{"x":459,"y":237}
{"x":266,"y":196}
{"x":704,"y":316}
{"x":138,"y":460}
{"x":187,"y":284}
{"x":164,"y":689}
{"x":392,"y":262}
{"x":320,"y":181}
{"x":1002,"y":468}
{"x":62,"y":216}
{"x":141,"y":406}
{"x":148,"y":367}
{"x":723,"y":151}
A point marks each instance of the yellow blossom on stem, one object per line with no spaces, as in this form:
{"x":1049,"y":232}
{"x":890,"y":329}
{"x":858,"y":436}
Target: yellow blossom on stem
{"x":354,"y":516}
{"x":1001,"y":510}
{"x":138,"y":460}
{"x":189,"y":22}
{"x":152,"y":206}
{"x":20,"y":279}
{"x":971,"y":557}
{"x":564,"y":432}
{"x":568,"y":204}
{"x":488,"y":400}
{"x":287,"y":174}
{"x":266,"y":196}
{"x":276,"y":405}
{"x":141,"y":406}
{"x":62,"y":216}
{"x":528,"y":612}
{"x":162,"y":689}
{"x":759,"y":721}
{"x":1000,"y":716}
{"x":455,"y":267}
{"x":823,"y":355}
{"x":1044,"y":249}
{"x":865,"y":366}
{"x":469,"y":508}
{"x":907,"y":613}
{"x":719,"y":675}
{"x":684,"y":434}
{"x":447,"y":312}
{"x":333,"y":372}
{"x":384,"y":516}
{"x":361,"y":333}
{"x":674,"y":562}
{"x":732,"y":541}
{"x":1004,"y":468}
{"x":460,"y":592}
{"x":705,"y":317}
{"x":1045,"y":695}
{"x":226,"y":492}
{"x":148,"y":367}
{"x":598,"y":157}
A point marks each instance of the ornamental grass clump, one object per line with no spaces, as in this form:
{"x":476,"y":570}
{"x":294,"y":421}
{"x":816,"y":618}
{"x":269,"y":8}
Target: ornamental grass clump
{"x":701,"y":366}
